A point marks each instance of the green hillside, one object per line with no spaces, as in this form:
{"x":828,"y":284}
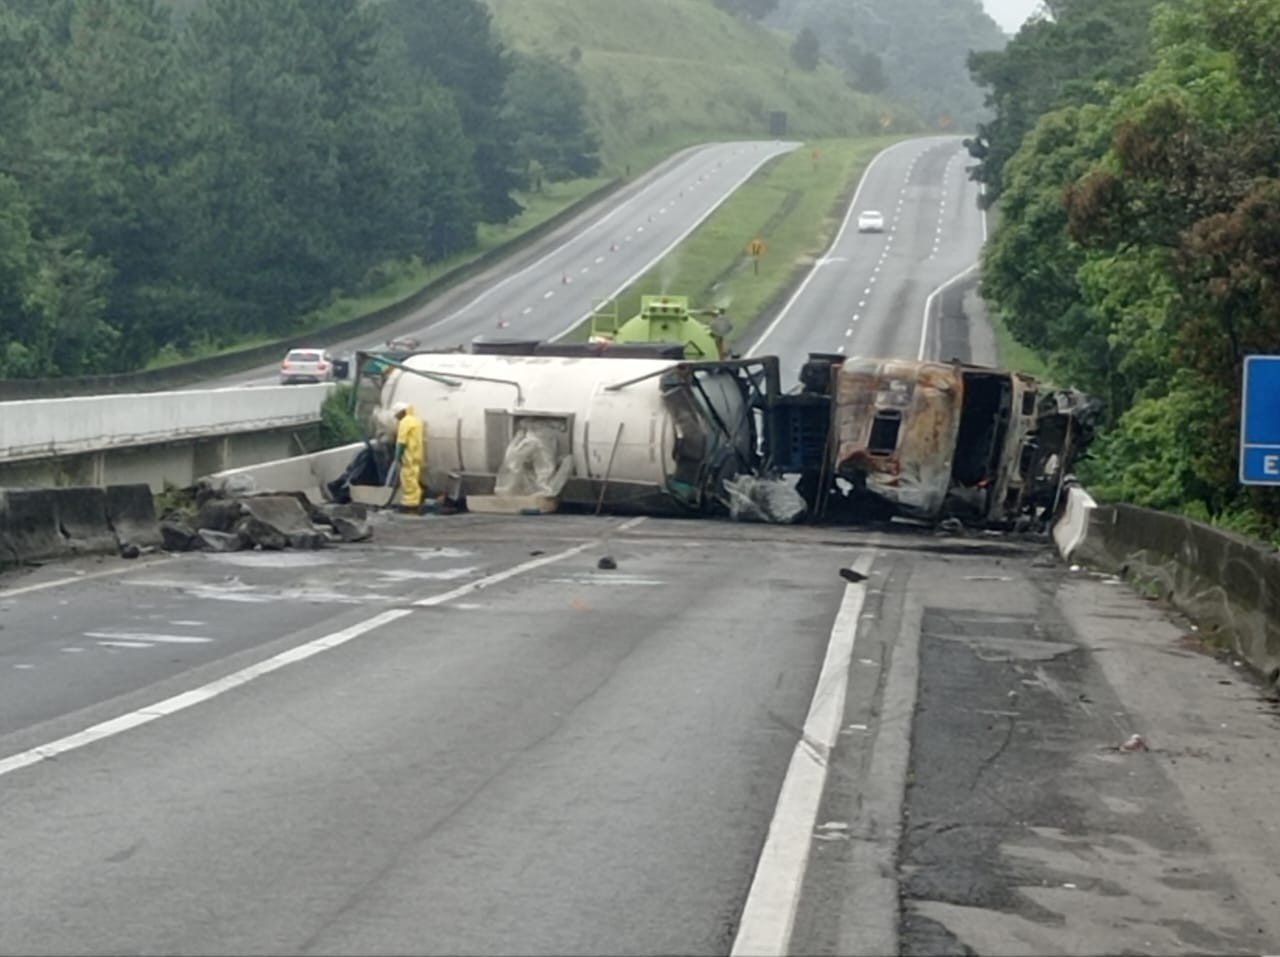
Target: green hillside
{"x":664,"y":73}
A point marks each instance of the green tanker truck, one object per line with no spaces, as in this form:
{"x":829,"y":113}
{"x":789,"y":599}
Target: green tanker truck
{"x":702,"y":332}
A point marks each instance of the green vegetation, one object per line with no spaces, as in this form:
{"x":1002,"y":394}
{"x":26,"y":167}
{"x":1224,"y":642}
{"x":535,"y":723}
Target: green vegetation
{"x":338,"y":424}
{"x":1136,"y":155}
{"x":184,"y":184}
{"x":794,"y":204}
{"x":662,"y":74}
{"x":912,"y":50}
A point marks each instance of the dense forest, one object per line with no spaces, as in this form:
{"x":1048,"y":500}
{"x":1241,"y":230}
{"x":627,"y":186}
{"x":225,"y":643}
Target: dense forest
{"x":1134,"y":160}
{"x":913,"y":50}
{"x":188,"y":172}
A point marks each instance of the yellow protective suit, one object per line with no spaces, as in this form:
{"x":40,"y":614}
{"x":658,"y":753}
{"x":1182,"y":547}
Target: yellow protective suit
{"x":409,"y":437}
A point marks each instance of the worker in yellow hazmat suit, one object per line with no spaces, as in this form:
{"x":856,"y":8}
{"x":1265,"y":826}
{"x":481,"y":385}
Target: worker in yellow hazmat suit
{"x":409,"y":455}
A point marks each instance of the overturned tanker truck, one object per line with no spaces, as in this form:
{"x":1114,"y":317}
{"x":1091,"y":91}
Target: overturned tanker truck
{"x":641,"y":429}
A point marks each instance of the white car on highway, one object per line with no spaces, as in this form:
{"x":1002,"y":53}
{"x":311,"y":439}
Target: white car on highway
{"x":306,"y":365}
{"x":870,"y":221}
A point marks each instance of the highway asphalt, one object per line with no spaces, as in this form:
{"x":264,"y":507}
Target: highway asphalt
{"x":550,"y":287}
{"x":468,"y":737}
{"x":867,"y":294}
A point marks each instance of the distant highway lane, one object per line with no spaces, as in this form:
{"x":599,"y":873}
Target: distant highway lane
{"x":544,"y":292}
{"x":867,"y":295}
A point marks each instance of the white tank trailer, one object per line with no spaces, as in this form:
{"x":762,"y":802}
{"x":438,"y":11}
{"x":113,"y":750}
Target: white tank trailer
{"x":644,"y":435}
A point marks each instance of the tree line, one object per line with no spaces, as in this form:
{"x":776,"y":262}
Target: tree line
{"x":1134,"y":159}
{"x":176,"y":178}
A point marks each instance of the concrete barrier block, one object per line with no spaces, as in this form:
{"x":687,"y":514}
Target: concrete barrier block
{"x":132,"y":513}
{"x":30,"y":530}
{"x":83,"y":521}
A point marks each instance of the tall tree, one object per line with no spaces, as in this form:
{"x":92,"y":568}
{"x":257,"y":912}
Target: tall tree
{"x":546,"y":106}
{"x":454,"y":42}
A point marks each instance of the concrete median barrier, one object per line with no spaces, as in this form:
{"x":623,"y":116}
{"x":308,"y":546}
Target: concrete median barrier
{"x":131,"y":510}
{"x":1228,"y":584}
{"x":29,"y":529}
{"x":82,"y":520}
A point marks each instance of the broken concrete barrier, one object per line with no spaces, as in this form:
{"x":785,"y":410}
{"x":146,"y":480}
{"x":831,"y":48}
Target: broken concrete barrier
{"x":255,"y":532}
{"x":131,"y":511}
{"x":176,"y":537}
{"x":285,"y":514}
{"x":217,"y":541}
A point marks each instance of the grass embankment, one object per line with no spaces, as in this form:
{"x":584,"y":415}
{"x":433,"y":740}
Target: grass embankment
{"x":397,"y":281}
{"x":662,"y":74}
{"x":1012,"y":354}
{"x":794,"y":204}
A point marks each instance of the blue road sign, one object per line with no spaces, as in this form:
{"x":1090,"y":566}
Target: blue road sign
{"x":1260,"y":421}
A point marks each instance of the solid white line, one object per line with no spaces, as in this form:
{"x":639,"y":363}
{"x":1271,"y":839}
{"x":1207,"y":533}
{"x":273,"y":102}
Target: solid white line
{"x":680,"y":238}
{"x":479,"y":583}
{"x":770,"y":911}
{"x":187,"y":699}
{"x":638,"y":198}
{"x":928,"y":308}
{"x":213,"y":689}
{"x":844,"y":225}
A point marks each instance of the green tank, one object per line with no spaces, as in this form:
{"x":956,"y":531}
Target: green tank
{"x":702,"y":332}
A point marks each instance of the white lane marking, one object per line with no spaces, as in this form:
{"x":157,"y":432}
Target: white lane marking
{"x":640,"y":198}
{"x":433,"y":600}
{"x":126,"y":644}
{"x":928,"y":308}
{"x":187,"y":623}
{"x":548,"y":294}
{"x":147,"y":637}
{"x":770,"y":911}
{"x":848,"y":333}
{"x":479,"y":583}
{"x":526,"y":310}
{"x":24,"y":667}
{"x":187,"y":699}
{"x":213,"y":689}
{"x":72,"y":650}
{"x":684,"y":234}
{"x":77,"y":579}
{"x":867,"y":291}
{"x":599,"y":260}
{"x":628,"y":238}
{"x":585,"y":270}
{"x":840,"y":349}
{"x":844,"y":225}
{"x":862,"y":304}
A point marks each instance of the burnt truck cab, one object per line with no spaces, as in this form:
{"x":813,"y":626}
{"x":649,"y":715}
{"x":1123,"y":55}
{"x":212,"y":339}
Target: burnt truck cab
{"x":934,"y":440}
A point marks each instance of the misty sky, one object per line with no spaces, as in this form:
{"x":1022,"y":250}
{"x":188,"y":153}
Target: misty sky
{"x":1010,"y":14}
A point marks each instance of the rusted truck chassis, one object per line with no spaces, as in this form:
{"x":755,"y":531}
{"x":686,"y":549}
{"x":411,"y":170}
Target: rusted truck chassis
{"x":877,"y":438}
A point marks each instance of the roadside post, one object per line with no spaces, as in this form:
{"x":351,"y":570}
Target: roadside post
{"x":1260,"y":421}
{"x":756,"y":249}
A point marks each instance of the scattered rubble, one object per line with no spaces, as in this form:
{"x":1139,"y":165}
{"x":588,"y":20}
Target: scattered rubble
{"x":266,"y":521}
